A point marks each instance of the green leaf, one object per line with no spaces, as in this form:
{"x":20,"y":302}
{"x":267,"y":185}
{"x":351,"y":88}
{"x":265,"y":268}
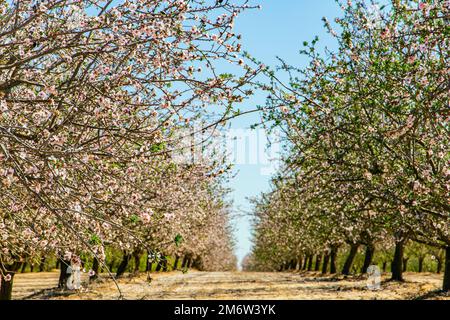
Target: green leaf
{"x":178,"y":239}
{"x":95,"y":240}
{"x":225,"y":76}
{"x":158,"y":147}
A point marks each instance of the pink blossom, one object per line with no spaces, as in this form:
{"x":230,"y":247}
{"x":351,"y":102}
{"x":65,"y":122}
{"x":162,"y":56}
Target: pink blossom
{"x":284,"y":109}
{"x":423,"y":5}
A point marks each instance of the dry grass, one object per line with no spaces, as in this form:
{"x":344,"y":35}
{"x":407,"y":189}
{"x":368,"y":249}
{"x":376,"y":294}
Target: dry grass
{"x":234,"y":286}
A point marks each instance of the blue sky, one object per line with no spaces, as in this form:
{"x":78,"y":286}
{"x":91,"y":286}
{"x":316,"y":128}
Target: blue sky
{"x":278,"y":29}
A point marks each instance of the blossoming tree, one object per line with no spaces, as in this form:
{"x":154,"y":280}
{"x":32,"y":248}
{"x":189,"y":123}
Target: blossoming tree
{"x":367,"y":129}
{"x":90,"y":92}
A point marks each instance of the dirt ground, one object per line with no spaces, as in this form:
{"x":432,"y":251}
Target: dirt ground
{"x":232,"y":285}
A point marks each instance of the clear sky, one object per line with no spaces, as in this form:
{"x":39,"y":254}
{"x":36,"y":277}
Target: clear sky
{"x":278,"y":29}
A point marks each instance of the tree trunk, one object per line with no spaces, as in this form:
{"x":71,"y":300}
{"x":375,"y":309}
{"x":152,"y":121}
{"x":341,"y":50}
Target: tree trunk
{"x":198,"y":263}
{"x":370,"y":249}
{"x":95,"y":268}
{"x":384,"y":266}
{"x":446,"y":285}
{"x":333,"y":256}
{"x":317,"y":265}
{"x":63,"y":275}
{"x":305,"y":263}
{"x":175,"y":264}
{"x":7,"y":286}
{"x":310,"y":262}
{"x":439,"y":266}
{"x":42,"y":265}
{"x":164,"y":265}
{"x":24,"y":266}
{"x":137,"y":260}
{"x":349,"y":261}
{"x":293,"y":264}
{"x":184,"y":262}
{"x":421,"y":264}
{"x":123,"y":264}
{"x":405,"y":264}
{"x":299,"y":265}
{"x":396,"y":266}
{"x":325,"y":263}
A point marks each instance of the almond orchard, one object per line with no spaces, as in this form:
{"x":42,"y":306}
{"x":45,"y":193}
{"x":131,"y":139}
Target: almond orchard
{"x":102,"y":103}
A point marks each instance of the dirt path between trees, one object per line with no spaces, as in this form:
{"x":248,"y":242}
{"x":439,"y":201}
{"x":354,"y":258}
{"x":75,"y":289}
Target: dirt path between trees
{"x":232,"y":285}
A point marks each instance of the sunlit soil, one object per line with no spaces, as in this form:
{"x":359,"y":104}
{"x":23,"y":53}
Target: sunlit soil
{"x":233,"y":285}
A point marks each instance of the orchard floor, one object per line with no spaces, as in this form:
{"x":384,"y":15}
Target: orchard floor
{"x":233,"y":285}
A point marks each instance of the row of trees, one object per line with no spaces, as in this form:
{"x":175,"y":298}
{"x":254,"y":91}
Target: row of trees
{"x":367,"y":141}
{"x":93,"y":97}
{"x":417,"y":258}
